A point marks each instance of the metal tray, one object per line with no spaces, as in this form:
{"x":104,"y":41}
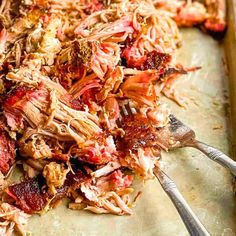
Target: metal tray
{"x":206,"y":186}
{"x":230,"y":51}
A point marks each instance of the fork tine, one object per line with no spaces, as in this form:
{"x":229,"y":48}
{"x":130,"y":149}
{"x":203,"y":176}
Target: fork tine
{"x":133,"y":110}
{"x":124,"y":112}
{"x":128,"y":109}
{"x":190,"y":220}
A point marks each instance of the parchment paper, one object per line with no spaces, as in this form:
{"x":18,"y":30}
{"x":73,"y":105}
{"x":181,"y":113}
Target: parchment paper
{"x":205,"y":185}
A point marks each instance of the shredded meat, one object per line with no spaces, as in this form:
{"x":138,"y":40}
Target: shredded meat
{"x":114,"y":181}
{"x":68,"y":69}
{"x":12,"y":218}
{"x":16,"y":97}
{"x":7,"y":150}
{"x":101,"y":151}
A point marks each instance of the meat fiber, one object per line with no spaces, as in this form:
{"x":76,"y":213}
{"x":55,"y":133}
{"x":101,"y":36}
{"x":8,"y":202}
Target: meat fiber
{"x":15,"y":98}
{"x":12,"y":218}
{"x":7,"y":150}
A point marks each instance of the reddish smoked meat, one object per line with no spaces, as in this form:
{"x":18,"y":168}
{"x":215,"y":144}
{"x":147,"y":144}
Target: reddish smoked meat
{"x":15,"y":95}
{"x":31,"y":197}
{"x":77,"y":105}
{"x":139,"y":132}
{"x":28,"y":195}
{"x":100,"y":152}
{"x":16,"y":98}
{"x":73,"y":181}
{"x":68,"y":73}
{"x":120,"y":181}
{"x":156,"y":60}
{"x":7,"y":150}
{"x":216,"y":21}
{"x":153,"y":60}
{"x":92,"y":6}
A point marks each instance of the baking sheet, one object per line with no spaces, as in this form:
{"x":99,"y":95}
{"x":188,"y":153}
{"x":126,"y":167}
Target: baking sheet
{"x":205,"y":185}
{"x":230,"y":51}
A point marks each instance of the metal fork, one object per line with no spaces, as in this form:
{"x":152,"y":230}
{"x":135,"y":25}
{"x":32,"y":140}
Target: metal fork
{"x":178,"y":135}
{"x":192,"y":223}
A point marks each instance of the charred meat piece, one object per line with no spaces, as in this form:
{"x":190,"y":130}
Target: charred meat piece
{"x":156,"y":60}
{"x":139,"y":132}
{"x":29,"y":195}
{"x":7,"y":150}
{"x":72,"y":182}
{"x":32,"y":195}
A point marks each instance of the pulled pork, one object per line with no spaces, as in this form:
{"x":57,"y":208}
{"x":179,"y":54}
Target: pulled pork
{"x":12,"y":219}
{"x":7,"y":150}
{"x":68,"y":68}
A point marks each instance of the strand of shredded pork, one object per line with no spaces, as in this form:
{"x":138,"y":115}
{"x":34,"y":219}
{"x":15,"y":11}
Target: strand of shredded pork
{"x":67,"y":67}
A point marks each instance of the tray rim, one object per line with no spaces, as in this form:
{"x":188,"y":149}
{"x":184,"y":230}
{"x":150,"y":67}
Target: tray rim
{"x":230,"y":53}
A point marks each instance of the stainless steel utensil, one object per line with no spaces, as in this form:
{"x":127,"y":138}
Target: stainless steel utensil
{"x":177,"y":135}
{"x":192,"y":223}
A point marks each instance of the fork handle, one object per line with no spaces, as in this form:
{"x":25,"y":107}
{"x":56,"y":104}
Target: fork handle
{"x":216,"y":155}
{"x":192,"y":223}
